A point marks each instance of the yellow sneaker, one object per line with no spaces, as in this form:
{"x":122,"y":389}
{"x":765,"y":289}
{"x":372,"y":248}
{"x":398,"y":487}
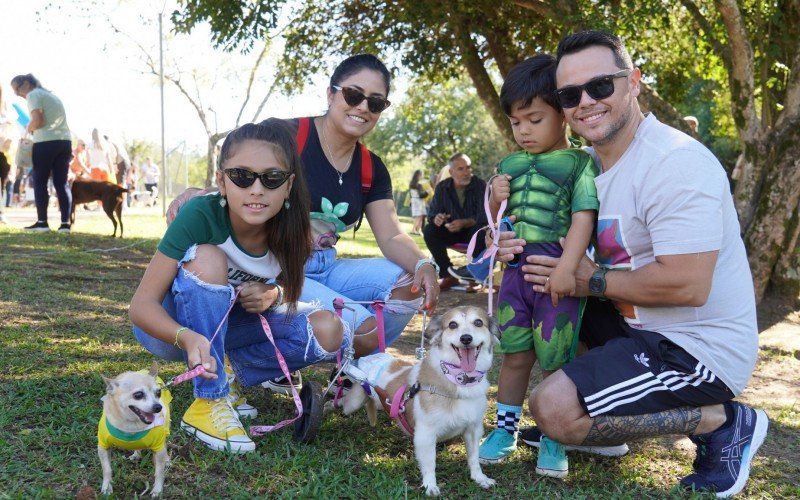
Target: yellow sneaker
{"x":215,"y":423}
{"x":238,"y":401}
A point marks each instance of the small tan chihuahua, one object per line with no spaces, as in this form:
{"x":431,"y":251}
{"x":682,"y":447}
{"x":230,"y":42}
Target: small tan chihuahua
{"x":135,"y":417}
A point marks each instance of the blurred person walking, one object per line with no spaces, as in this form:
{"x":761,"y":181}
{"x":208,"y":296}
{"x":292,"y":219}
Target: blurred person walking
{"x":52,"y":149}
{"x":419,"y":190}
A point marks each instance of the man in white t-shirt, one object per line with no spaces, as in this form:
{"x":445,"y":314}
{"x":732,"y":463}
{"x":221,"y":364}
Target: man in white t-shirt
{"x":671,"y":321}
{"x":150,"y":173}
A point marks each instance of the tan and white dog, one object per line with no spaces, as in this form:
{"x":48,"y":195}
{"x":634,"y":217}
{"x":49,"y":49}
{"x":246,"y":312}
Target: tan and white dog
{"x":444,"y":395}
{"x":135,"y":417}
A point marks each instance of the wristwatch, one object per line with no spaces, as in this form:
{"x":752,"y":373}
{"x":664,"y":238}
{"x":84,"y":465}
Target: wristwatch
{"x":597,"y":283}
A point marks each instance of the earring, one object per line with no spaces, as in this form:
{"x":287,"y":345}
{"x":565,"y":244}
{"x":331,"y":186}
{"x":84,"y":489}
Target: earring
{"x":223,"y":202}
{"x":286,"y":204}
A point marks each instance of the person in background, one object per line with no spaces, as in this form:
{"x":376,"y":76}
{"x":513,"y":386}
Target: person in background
{"x":419,"y":191}
{"x":454,"y":214}
{"x":101,"y":158}
{"x":52,"y":149}
{"x":150,"y":173}
{"x":79,"y":166}
{"x":131,"y":180}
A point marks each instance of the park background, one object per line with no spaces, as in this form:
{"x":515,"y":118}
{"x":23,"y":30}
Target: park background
{"x":63,"y":300}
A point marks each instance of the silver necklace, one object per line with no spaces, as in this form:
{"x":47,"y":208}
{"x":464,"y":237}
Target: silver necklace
{"x":330,"y":155}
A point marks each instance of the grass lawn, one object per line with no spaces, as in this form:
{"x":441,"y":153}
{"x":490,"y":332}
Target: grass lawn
{"x":63,"y":322}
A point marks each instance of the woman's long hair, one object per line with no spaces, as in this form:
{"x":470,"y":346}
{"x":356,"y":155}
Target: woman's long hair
{"x":414,"y":184}
{"x":289,"y":232}
{"x":29,"y":78}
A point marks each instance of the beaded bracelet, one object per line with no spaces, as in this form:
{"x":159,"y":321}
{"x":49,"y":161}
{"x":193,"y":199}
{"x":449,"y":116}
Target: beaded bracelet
{"x":177,"y":334}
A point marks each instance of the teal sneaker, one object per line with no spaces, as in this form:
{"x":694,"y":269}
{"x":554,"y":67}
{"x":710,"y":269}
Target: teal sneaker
{"x":552,"y":461}
{"x":497,"y":446}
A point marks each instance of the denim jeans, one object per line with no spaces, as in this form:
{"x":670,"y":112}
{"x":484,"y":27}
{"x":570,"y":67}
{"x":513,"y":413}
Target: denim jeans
{"x":202,"y":306}
{"x":363,"y":280}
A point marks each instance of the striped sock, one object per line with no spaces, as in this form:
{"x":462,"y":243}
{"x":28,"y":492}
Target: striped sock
{"x":508,"y":417}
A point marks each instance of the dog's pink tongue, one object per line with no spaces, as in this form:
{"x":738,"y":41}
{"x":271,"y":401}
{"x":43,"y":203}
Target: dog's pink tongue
{"x":469,"y":358}
{"x":148,"y":417}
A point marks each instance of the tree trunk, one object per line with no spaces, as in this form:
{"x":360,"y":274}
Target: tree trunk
{"x":483,"y":84}
{"x":649,"y":100}
{"x":772,"y":234}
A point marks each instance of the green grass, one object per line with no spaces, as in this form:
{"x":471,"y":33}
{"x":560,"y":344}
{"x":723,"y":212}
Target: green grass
{"x":63,"y":323}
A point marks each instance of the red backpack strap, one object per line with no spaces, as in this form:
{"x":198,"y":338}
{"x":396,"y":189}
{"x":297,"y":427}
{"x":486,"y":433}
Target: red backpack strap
{"x":366,"y":170}
{"x":303,"y":126}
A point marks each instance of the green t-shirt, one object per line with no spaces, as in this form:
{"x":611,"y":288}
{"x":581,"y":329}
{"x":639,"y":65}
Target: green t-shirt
{"x":55,"y":126}
{"x":202,"y":220}
{"x":546,"y":189}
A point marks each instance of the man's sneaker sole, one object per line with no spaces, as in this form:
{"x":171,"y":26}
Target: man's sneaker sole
{"x":219,"y":444}
{"x":455,"y":275}
{"x":558,"y":474}
{"x":279,"y":388}
{"x":604,"y":451}
{"x":759,"y":434}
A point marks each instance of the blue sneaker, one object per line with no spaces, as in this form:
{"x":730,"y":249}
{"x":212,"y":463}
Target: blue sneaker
{"x":497,"y":446}
{"x":723,"y":459}
{"x":552,"y":461}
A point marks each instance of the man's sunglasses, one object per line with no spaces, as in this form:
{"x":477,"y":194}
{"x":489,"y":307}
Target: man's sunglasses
{"x":354,"y":97}
{"x":597,"y":88}
{"x":271,"y":179}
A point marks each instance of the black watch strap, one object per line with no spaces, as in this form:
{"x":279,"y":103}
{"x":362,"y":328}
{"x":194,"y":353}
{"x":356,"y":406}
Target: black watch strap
{"x":597,"y":283}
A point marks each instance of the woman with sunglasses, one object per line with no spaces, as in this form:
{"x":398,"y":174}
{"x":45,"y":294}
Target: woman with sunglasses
{"x":227,"y":259}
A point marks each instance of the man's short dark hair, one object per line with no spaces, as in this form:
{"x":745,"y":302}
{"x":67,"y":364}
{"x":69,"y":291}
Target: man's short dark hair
{"x":532,"y":78}
{"x":581,"y":40}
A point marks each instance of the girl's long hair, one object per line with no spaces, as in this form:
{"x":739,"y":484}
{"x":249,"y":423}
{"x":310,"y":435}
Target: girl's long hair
{"x":289,"y":232}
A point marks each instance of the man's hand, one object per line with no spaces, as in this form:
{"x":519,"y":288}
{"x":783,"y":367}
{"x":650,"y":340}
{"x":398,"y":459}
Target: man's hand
{"x":181,"y":199}
{"x":501,"y":188}
{"x":257,"y":297}
{"x":440,"y":219}
{"x":508,"y":245}
{"x":457,"y":225}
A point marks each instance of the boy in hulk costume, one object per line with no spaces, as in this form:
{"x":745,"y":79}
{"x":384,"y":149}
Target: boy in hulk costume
{"x":550,"y":191}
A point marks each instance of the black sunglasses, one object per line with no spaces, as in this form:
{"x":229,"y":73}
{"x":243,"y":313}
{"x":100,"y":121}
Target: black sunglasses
{"x":271,"y":179}
{"x":597,"y":88}
{"x":354,"y":97}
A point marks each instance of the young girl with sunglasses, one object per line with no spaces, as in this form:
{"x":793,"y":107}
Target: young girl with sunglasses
{"x":248,"y":243}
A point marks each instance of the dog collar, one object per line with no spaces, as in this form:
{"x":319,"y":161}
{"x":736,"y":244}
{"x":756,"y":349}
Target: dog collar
{"x":456,"y":375}
{"x":133,"y":436}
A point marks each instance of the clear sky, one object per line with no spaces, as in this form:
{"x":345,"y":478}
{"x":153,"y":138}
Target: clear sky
{"x":104,"y":82}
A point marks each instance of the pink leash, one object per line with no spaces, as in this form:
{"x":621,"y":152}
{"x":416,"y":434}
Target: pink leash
{"x":491,"y":251}
{"x":255,"y":430}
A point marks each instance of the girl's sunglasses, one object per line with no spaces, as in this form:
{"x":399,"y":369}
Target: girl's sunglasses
{"x":271,"y":179}
{"x":597,"y":88}
{"x":354,"y":97}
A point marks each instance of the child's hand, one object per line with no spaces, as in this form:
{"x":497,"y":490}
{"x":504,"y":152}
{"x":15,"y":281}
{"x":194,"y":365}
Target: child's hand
{"x":560,"y":284}
{"x":257,"y":297}
{"x":198,"y":352}
{"x":501,"y":188}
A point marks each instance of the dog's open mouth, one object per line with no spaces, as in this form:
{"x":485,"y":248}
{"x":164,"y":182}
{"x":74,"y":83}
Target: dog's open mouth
{"x":145,"y":417}
{"x":468,"y":357}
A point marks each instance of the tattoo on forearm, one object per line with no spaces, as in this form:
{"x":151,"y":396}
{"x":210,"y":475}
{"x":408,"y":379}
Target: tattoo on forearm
{"x":610,"y":430}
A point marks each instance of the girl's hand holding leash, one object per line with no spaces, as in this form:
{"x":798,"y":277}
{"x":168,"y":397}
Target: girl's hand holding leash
{"x":257,"y":297}
{"x":198,"y":352}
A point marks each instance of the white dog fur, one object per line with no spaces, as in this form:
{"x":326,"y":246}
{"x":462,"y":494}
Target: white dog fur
{"x":443,"y":408}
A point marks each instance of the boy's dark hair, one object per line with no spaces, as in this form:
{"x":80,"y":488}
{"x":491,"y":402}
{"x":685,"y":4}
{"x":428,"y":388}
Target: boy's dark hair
{"x":354,"y":64}
{"x":581,"y":40}
{"x":532,"y":78}
{"x":289,"y":232}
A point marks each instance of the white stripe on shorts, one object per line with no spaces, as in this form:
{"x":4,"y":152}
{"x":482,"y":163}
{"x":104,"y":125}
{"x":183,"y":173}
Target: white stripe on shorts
{"x":640,"y":386}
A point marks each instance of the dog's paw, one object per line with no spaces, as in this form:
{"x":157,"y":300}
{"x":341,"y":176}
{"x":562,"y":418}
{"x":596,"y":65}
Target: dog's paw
{"x":155,"y":492}
{"x":484,"y":481}
{"x":106,"y":489}
{"x":432,"y":490}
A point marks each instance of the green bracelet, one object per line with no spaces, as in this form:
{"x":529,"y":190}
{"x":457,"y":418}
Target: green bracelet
{"x":177,"y":334}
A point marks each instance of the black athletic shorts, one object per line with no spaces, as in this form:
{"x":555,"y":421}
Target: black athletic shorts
{"x":633,"y":372}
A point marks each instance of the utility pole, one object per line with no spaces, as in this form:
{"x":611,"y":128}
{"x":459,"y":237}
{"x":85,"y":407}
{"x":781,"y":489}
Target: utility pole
{"x":161,"y":78}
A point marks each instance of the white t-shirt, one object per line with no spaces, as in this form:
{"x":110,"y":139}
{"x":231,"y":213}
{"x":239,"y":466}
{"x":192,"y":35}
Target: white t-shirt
{"x":669,"y":195}
{"x":150,"y":172}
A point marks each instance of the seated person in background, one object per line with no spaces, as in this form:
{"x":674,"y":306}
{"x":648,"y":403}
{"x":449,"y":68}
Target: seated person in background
{"x":455,"y":213}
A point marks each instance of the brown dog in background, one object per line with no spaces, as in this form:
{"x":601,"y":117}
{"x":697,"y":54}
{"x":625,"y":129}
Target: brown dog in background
{"x":108,"y":193}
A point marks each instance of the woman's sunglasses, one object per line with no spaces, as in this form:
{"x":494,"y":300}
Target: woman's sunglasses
{"x":597,"y":88}
{"x":271,"y":179}
{"x":354,"y":97}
